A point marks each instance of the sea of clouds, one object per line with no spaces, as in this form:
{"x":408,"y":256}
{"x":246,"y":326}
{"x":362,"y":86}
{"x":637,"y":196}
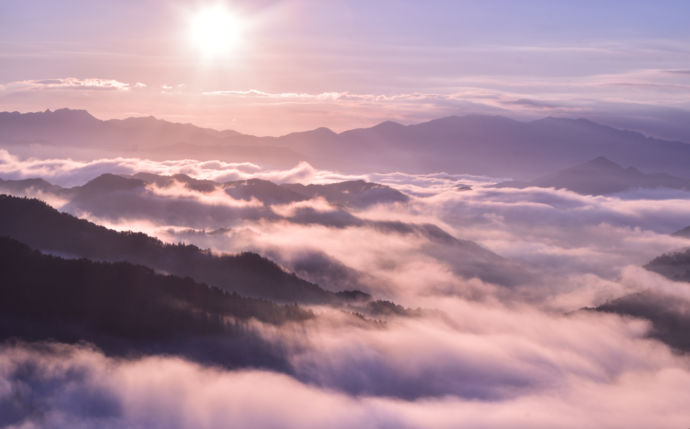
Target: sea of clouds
{"x":500,"y":338}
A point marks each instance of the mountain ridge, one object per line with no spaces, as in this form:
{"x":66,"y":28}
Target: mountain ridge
{"x":477,"y":144}
{"x":601,"y":176}
{"x":40,"y":226}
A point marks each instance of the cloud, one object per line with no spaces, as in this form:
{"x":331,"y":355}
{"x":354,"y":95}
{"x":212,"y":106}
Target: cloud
{"x":530,"y":103}
{"x":564,"y":248}
{"x":678,"y":71}
{"x":69,"y":172}
{"x":324,"y":96}
{"x":72,"y":83}
{"x":460,"y":97}
{"x":479,"y":350}
{"x":56,"y":386}
{"x":509,"y":95}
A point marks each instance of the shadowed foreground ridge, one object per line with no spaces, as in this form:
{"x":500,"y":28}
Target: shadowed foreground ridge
{"x":129,"y":309}
{"x":40,"y":226}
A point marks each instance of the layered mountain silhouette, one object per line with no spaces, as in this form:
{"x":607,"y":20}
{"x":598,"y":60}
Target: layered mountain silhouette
{"x":129,"y":309}
{"x":674,"y":265}
{"x":685,"y":232}
{"x":669,"y":315}
{"x":602,"y":176}
{"x":42,"y":227}
{"x":351,"y":194}
{"x":489,"y":145}
{"x":78,"y":134}
{"x":114,"y":197}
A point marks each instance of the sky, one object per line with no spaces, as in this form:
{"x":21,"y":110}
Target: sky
{"x":296,"y":65}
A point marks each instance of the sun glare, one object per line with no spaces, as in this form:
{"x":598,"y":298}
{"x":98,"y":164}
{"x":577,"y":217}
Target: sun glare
{"x":215,"y":31}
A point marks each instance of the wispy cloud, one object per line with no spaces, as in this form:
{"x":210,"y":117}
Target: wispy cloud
{"x":404,"y":101}
{"x":488,"y":354}
{"x":72,"y":83}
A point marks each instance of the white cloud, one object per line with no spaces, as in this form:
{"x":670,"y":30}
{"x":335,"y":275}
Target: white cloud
{"x":72,"y":83}
{"x":481,"y":353}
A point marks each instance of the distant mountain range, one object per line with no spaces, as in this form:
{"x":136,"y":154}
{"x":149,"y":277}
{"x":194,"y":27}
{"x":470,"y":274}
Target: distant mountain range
{"x":489,"y":145}
{"x":602,"y":176}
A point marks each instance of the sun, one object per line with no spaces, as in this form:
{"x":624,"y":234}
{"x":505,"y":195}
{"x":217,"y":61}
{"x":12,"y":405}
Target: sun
{"x":215,"y":31}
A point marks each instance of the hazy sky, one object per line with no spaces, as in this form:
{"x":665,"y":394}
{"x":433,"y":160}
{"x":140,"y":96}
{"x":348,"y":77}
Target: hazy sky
{"x":303,"y":64}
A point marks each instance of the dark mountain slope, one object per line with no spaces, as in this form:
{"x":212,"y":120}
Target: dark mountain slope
{"x":675,"y":265}
{"x":263,"y":190}
{"x":42,"y":227}
{"x":670,"y":316}
{"x":128,"y":309}
{"x":353,"y":193}
{"x":685,"y":232}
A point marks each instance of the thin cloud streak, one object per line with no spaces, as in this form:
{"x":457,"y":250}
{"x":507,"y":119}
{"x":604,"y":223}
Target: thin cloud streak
{"x":72,"y":83}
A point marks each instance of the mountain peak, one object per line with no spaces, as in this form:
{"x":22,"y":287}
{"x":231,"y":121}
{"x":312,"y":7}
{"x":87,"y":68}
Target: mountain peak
{"x":388,"y":125}
{"x":324,"y":130}
{"x":602,"y":162}
{"x":321,"y":132}
{"x":70,"y":113}
{"x":110,"y":182}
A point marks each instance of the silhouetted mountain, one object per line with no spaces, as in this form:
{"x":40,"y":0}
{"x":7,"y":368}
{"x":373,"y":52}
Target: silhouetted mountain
{"x":262,"y":190}
{"x":111,"y":196}
{"x":670,"y":316}
{"x":114,"y":197}
{"x":354,"y":193}
{"x":602,"y":176}
{"x":106,"y":183}
{"x":666,"y":122}
{"x":674,"y":265}
{"x":42,"y":227}
{"x":489,"y":145}
{"x":76,"y":133}
{"x":25,"y":185}
{"x":165,"y":181}
{"x":685,"y":232}
{"x":129,"y":309}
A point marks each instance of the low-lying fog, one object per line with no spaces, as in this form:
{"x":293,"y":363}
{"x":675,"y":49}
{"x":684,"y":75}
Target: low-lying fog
{"x":503,"y":278}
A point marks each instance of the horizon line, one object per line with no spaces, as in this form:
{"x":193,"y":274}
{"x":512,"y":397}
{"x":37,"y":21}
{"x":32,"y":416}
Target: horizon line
{"x":223,"y":130}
